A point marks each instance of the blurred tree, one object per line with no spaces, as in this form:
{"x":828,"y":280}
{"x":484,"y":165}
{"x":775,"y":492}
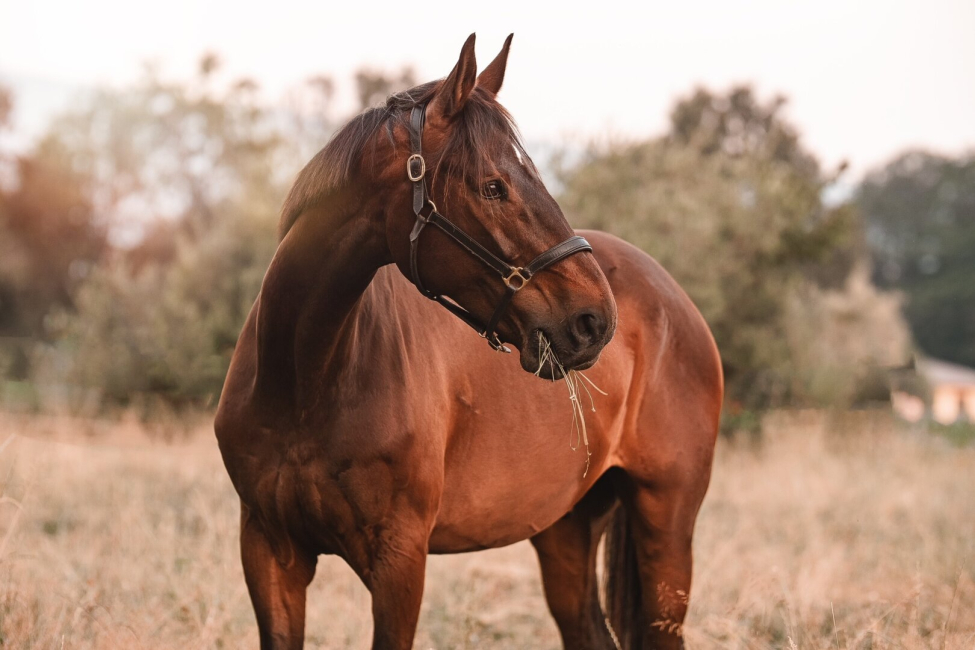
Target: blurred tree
{"x":311,"y":106}
{"x":373,"y":86}
{"x":920,"y":216}
{"x":168,"y":150}
{"x":737,"y":124}
{"x":178,"y":343}
{"x":193,"y":175}
{"x":310,"y":118}
{"x":49,"y":239}
{"x":841,"y":341}
{"x":6,"y":106}
{"x":731,"y":205}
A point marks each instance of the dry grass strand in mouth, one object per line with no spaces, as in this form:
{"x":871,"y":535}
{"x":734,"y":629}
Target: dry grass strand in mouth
{"x":576,"y":382}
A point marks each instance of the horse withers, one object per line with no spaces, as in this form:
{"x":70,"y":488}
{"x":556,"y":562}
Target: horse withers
{"x":361,"y":419}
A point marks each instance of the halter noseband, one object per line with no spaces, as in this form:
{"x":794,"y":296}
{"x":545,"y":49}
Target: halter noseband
{"x":514,"y":277}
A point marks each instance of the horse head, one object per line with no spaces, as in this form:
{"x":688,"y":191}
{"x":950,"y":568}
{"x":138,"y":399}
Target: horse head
{"x":502,"y":255}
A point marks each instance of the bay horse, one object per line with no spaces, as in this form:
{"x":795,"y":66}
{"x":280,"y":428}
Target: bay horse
{"x":363,"y":420}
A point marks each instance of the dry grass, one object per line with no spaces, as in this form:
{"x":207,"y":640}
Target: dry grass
{"x":829,"y":534}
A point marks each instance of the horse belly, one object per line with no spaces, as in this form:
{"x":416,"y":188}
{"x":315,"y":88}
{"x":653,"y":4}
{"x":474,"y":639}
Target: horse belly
{"x":512,"y":471}
{"x":473,"y":518}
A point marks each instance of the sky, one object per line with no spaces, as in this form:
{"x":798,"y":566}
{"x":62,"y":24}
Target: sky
{"x":865,"y":78}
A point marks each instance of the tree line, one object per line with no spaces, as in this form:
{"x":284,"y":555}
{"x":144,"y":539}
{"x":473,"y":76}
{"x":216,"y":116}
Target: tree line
{"x":134,"y":237}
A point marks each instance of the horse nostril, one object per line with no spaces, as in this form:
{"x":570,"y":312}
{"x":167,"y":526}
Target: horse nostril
{"x":586,"y":328}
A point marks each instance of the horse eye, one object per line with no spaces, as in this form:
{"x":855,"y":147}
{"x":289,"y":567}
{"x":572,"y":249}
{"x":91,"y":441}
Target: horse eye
{"x":494,"y":190}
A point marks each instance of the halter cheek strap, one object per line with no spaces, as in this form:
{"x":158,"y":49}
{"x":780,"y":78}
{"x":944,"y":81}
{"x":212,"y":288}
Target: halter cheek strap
{"x":514,"y":277}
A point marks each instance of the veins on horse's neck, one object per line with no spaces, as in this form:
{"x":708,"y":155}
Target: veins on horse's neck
{"x":313,"y":284}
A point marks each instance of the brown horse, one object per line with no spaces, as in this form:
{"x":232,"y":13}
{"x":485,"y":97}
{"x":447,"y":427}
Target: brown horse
{"x":361,"y":419}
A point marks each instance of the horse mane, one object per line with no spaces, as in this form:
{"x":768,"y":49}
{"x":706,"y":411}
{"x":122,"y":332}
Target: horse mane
{"x":464,"y":154}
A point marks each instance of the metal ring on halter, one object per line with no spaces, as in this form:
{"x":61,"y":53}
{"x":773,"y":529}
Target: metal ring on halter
{"x":515,"y":280}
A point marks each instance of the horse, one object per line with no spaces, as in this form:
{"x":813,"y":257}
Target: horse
{"x":362,"y":419}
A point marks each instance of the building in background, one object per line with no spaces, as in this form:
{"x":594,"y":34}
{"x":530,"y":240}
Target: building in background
{"x":938,"y":389}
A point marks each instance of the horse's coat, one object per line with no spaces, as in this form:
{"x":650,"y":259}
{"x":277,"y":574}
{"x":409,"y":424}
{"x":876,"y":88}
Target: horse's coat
{"x":361,"y":419}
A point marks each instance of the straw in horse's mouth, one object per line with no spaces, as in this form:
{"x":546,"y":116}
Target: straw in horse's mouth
{"x":574,"y":380}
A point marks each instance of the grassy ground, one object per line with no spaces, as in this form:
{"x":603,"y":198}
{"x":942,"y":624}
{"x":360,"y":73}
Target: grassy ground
{"x":833,"y":532}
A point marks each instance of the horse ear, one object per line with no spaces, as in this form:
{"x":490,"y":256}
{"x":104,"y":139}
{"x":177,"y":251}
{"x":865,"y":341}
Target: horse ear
{"x":493,"y":76}
{"x":457,"y":87}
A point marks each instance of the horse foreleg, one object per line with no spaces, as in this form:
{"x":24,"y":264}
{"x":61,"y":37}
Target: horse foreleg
{"x":567,"y":555}
{"x":396,"y":583}
{"x":277,"y":580}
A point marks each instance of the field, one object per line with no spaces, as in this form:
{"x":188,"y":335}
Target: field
{"x":828,"y":532}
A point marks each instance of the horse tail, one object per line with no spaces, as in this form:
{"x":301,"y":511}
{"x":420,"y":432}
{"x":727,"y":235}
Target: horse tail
{"x":624,"y":606}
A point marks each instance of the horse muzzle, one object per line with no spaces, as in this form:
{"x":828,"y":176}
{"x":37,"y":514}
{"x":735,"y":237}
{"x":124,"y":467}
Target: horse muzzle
{"x":573,"y":343}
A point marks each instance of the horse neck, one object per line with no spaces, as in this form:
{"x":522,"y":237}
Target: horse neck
{"x":312,"y":286}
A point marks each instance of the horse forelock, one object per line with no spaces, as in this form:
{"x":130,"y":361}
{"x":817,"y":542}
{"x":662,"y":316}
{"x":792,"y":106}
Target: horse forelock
{"x":482,"y":128}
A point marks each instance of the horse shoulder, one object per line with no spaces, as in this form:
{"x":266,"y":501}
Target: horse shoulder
{"x":676,"y":394}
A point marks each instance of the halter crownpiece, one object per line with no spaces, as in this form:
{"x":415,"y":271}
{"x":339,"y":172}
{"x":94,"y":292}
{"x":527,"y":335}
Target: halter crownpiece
{"x":514,"y":278}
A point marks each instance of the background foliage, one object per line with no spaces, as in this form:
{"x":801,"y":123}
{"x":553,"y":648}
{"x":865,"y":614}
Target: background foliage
{"x":135,"y":234}
{"x":731,"y":204}
{"x":920,"y":217}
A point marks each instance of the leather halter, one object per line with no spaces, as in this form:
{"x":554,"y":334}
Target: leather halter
{"x":514,"y":277}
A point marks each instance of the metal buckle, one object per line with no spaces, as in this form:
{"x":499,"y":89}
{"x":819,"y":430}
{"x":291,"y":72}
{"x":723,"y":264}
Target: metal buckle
{"x":409,"y":167}
{"x":515,"y":280}
{"x":495,"y":342}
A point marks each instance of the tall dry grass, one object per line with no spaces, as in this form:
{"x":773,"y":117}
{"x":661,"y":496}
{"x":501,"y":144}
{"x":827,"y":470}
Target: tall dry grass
{"x":837,"y":532}
{"x":831,"y":533}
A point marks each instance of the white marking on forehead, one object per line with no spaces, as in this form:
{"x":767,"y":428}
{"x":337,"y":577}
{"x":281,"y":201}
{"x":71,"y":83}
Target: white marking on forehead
{"x":532,"y":172}
{"x":518,"y":153}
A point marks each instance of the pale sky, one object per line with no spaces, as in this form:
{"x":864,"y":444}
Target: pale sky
{"x":866,"y":78}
